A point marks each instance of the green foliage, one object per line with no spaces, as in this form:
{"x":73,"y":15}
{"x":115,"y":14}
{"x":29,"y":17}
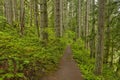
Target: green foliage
{"x":87,"y":64}
{"x":2,"y":21}
{"x":69,"y":36}
{"x":108,"y":73}
{"x":25,"y":58}
{"x":81,"y":55}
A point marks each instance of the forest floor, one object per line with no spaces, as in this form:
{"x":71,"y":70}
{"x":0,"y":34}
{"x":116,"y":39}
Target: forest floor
{"x":68,"y":69}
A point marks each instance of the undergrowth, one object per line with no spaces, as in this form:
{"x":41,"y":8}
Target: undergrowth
{"x":87,"y":64}
{"x":24,"y":57}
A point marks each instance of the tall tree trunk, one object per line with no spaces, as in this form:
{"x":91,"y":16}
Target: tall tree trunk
{"x":61,"y":18}
{"x":108,"y":41}
{"x":14,"y":8}
{"x":92,"y":42}
{"x":16,"y":11}
{"x":36,"y":18}
{"x":44,"y":20}
{"x":1,"y":7}
{"x":65,"y":15}
{"x":70,"y":15}
{"x":5,"y":9}
{"x":82,"y":19}
{"x":87,"y":13}
{"x":79,"y":18}
{"x":86,"y":23}
{"x":100,"y":45}
{"x":8,"y":11}
{"x":31,"y":11}
{"x":57,"y":17}
{"x":22,"y":17}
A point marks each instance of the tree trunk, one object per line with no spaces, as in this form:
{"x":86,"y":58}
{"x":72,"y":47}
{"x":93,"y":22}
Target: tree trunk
{"x":57,"y":17}
{"x":36,"y":18}
{"x":8,"y":11}
{"x":31,"y":11}
{"x":86,"y":23}
{"x":14,"y":8}
{"x":82,"y":19}
{"x":22,"y":16}
{"x":44,"y":20}
{"x":61,"y":18}
{"x":65,"y":15}
{"x":108,"y":41}
{"x":87,"y":13}
{"x":100,"y":45}
{"x":79,"y":18}
{"x":92,"y":42}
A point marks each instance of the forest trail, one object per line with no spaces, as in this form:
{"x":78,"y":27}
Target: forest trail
{"x":68,"y":69}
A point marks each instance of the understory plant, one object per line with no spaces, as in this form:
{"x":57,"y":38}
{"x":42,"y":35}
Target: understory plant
{"x":25,"y":57}
{"x":87,"y":64}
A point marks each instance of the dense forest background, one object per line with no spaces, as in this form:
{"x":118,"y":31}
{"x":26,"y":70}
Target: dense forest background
{"x":34,"y":34}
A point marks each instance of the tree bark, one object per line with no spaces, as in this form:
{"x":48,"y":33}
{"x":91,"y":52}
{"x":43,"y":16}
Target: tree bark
{"x":31,"y":11}
{"x":100,"y":44}
{"x":14,"y":8}
{"x":79,"y":18}
{"x":22,"y":16}
{"x":86,"y":23}
{"x":92,"y":40}
{"x":64,"y":15}
{"x":61,"y":18}
{"x":108,"y":41}
{"x":36,"y":18}
{"x":44,"y":20}
{"x":57,"y":17}
{"x":8,"y":11}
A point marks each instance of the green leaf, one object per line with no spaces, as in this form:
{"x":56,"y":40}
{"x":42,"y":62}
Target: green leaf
{"x":1,"y":79}
{"x":20,"y":75}
{"x":8,"y":75}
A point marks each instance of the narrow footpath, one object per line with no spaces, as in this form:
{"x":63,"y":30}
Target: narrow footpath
{"x":68,"y":69}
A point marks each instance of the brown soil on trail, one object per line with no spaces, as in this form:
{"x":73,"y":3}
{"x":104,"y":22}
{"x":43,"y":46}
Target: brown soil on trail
{"x":68,"y":69}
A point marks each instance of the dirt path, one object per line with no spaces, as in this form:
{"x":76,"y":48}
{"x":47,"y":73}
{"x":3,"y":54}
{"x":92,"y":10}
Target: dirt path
{"x":68,"y":69}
